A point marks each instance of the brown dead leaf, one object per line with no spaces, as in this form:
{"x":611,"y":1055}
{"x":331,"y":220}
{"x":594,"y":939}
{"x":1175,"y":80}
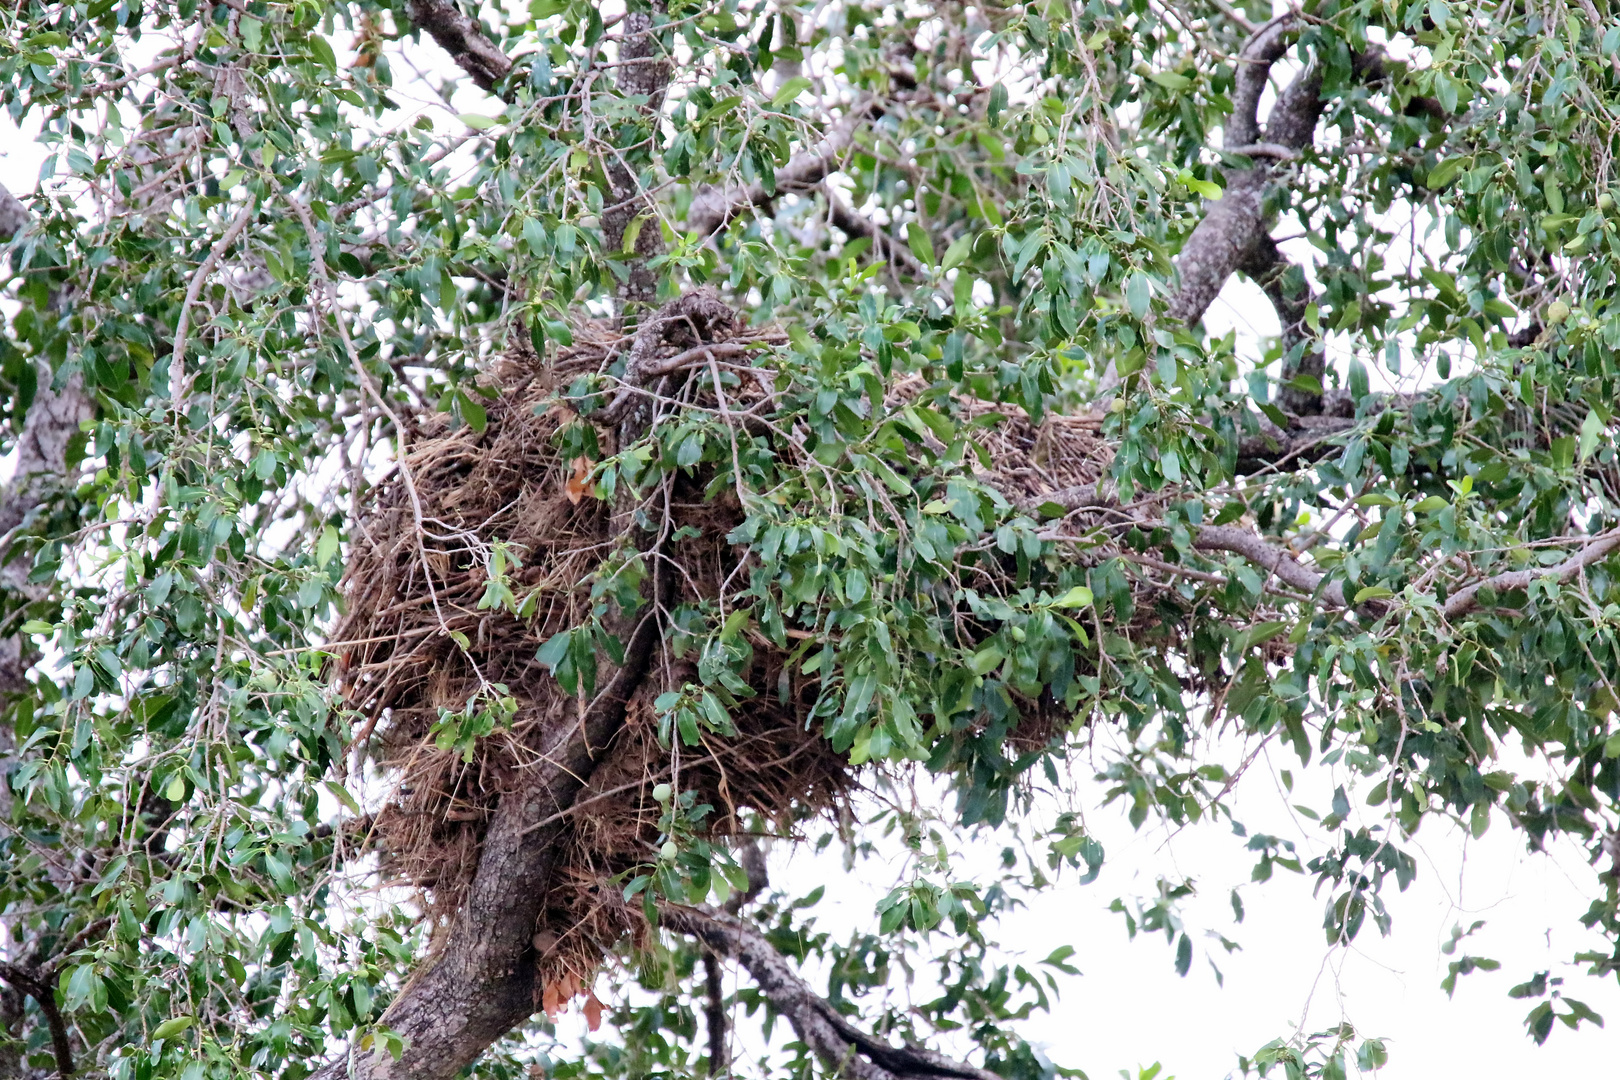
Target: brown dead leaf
{"x":593,"y":1012}
{"x":550,"y":1000}
{"x":576,"y":488}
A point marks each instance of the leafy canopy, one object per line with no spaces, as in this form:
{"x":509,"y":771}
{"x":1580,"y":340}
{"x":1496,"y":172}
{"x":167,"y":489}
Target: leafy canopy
{"x":264,"y":251}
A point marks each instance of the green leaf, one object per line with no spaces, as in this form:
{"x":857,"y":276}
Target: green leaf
{"x":1207,"y":188}
{"x":1170,"y":80}
{"x":327,"y":547}
{"x":632,"y":233}
{"x":321,"y":50}
{"x":1259,"y":634}
{"x":959,"y":249}
{"x":1079,"y":596}
{"x":477,"y":122}
{"x":38,"y":626}
{"x":1139,"y":294}
{"x":985,"y":659}
{"x":1371,"y":592}
{"x":921,"y":246}
{"x":790,"y":91}
{"x":341,"y":794}
{"x":1358,"y":381}
{"x":172,"y":1027}
{"x":1446,"y":171}
{"x":1592,"y":429}
{"x":1431,"y":504}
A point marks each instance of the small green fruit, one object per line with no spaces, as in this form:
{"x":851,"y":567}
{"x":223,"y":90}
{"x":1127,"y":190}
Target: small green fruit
{"x":668,"y":851}
{"x":1557,"y":312}
{"x":1605,"y":202}
{"x":661,"y":793}
{"x":1018,"y":633}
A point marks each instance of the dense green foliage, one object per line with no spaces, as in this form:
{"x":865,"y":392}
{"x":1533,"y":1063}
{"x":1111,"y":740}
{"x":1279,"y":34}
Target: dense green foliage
{"x":344,"y":259}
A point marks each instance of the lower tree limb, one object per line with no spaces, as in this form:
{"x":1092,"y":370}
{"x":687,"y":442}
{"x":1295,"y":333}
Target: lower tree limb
{"x":843,"y":1048}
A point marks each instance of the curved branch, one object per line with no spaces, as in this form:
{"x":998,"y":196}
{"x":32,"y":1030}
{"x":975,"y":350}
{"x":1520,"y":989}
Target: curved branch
{"x":842,"y":1047}
{"x":1269,"y":557}
{"x":462,"y":38}
{"x":1263,"y":49}
{"x":1598,"y":548}
{"x":481,"y":983}
{"x":1235,"y":224}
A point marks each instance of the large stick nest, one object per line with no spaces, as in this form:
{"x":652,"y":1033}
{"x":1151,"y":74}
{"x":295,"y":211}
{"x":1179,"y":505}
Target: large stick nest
{"x":419,"y":568}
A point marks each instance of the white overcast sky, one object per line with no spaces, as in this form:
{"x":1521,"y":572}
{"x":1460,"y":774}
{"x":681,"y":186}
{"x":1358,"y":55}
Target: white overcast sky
{"x":1129,"y":1009}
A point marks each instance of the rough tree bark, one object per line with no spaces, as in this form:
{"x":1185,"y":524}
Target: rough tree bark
{"x":41,"y":470}
{"x":53,"y":419}
{"x":1235,"y":231}
{"x":480,"y":982}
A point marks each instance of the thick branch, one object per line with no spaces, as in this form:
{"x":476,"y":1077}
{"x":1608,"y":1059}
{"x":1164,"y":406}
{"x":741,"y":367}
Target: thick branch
{"x":1269,"y":557}
{"x":843,"y":1048}
{"x":481,"y":983}
{"x":462,"y":38}
{"x":1276,"y":561}
{"x":13,"y":215}
{"x":1235,"y":223}
{"x":645,"y":75}
{"x":1264,"y":48}
{"x":714,"y":1011}
{"x":1598,"y":548}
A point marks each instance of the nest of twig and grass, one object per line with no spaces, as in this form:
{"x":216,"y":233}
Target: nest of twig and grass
{"x":426,"y":659}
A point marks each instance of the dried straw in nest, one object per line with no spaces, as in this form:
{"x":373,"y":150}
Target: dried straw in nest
{"x":417,"y":642}
{"x":1029,"y":460}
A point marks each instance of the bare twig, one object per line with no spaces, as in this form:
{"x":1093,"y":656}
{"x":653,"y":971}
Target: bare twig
{"x":177,"y":355}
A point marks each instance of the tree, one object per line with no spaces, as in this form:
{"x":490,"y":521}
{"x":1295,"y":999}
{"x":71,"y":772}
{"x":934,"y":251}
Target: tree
{"x":748,"y":404}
